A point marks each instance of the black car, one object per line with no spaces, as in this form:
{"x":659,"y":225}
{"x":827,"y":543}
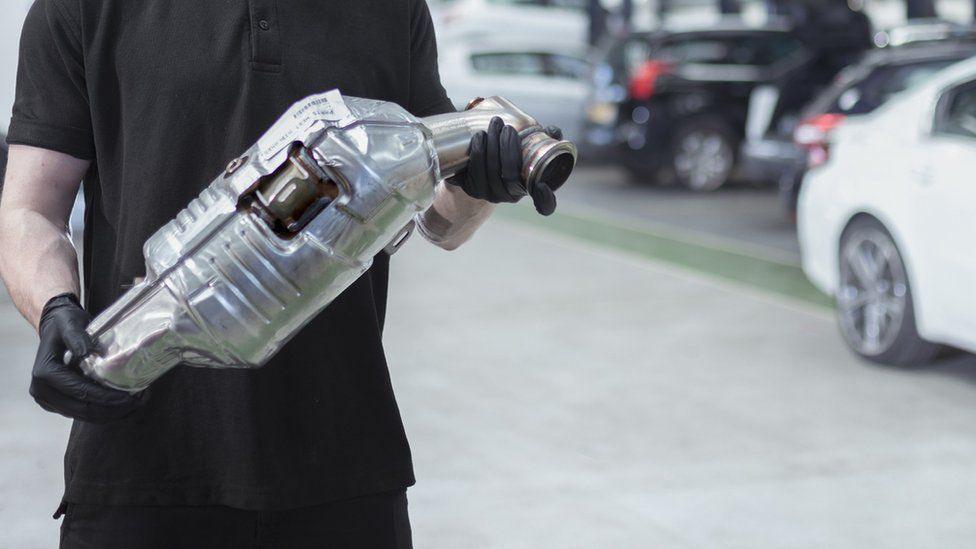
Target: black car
{"x":621,"y":65}
{"x":859,"y":90}
{"x":697,"y":94}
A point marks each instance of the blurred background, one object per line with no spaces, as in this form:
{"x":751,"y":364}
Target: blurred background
{"x":748,"y":325}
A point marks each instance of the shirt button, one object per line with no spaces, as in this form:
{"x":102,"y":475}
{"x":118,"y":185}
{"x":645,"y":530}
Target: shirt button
{"x":264,"y":24}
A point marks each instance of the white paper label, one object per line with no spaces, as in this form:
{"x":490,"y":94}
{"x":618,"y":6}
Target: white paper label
{"x":328,"y":107}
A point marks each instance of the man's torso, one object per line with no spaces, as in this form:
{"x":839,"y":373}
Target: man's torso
{"x":177,"y":88}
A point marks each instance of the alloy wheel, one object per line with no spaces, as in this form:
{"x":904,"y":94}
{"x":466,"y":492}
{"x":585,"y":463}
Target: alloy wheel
{"x":873,"y":294}
{"x":703,"y":160}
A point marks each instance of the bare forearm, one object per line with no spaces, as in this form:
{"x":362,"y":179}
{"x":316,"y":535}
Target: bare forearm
{"x":37,"y":261}
{"x":453,"y":218}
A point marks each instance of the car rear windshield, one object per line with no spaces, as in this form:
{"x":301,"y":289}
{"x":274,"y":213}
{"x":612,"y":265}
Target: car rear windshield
{"x":861,"y":89}
{"x":573,"y":4}
{"x":748,"y":49}
{"x":530,"y":64}
{"x":624,"y":55}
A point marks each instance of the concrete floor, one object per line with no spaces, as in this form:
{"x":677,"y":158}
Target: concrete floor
{"x":560,"y":395}
{"x":613,"y":402}
{"x":739,"y":216}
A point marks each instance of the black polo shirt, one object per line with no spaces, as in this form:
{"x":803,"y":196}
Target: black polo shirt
{"x":160,"y":95}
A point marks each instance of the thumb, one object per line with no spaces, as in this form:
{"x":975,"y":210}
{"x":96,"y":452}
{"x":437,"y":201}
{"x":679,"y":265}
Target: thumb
{"x":76,"y":339}
{"x":543,"y":198}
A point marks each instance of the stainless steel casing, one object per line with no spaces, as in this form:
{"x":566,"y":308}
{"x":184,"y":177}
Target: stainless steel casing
{"x":224,"y":290}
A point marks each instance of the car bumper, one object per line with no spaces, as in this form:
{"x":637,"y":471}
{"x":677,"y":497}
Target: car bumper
{"x":644,"y":146}
{"x":599,"y":145}
{"x":770,"y":160}
{"x":819,"y":223}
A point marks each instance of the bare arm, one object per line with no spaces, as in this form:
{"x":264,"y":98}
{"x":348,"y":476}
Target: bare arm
{"x":37,"y":259}
{"x":453,"y":217}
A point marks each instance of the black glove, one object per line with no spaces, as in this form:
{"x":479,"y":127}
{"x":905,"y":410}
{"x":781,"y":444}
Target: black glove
{"x":495,"y":168}
{"x":64,"y":389}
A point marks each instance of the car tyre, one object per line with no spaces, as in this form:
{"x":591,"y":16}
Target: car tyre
{"x":874,"y":304}
{"x":703,"y":154}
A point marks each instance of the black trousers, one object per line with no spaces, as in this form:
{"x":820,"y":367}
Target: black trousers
{"x":372,"y":522}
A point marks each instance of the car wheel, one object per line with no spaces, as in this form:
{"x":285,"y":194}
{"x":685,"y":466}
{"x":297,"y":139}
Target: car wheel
{"x":703,"y":155}
{"x":874,"y":298}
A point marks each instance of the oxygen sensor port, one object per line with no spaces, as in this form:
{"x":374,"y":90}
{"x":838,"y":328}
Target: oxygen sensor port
{"x":288,"y":198}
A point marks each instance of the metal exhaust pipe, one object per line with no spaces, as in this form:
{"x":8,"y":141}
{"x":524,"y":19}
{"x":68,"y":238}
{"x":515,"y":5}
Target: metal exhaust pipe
{"x":543,"y":158}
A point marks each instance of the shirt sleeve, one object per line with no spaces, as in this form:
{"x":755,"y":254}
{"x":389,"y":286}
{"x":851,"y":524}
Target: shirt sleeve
{"x":51,"y":108}
{"x":427,"y":95}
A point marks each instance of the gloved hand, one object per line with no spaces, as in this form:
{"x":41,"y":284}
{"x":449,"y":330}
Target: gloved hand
{"x":62,"y":388}
{"x":495,"y":168}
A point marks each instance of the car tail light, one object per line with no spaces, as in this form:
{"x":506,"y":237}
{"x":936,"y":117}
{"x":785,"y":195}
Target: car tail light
{"x":451,"y":15}
{"x":601,"y":113}
{"x":813,"y":134}
{"x":644,"y":79}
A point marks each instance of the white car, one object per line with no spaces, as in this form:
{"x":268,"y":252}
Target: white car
{"x":549,"y":82}
{"x":887,"y":225}
{"x":557,"y":21}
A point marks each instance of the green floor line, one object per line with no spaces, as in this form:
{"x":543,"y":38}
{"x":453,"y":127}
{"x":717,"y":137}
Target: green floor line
{"x":763,"y":274}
